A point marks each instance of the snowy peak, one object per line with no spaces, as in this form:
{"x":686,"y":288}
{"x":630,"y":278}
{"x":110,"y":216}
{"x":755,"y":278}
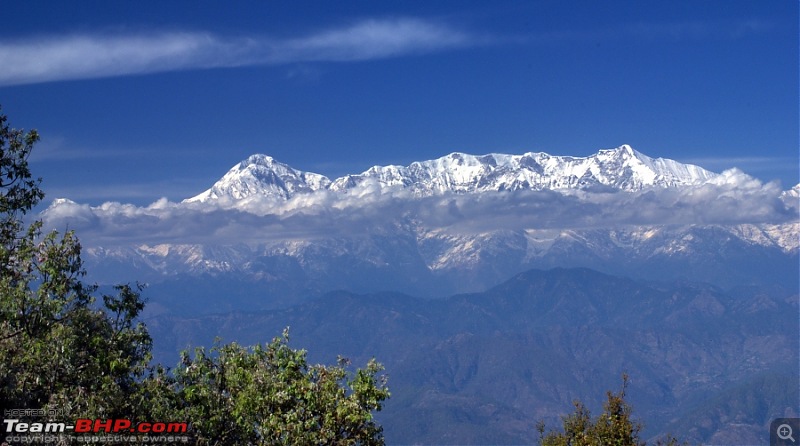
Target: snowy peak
{"x":622,"y":168}
{"x":628,"y":169}
{"x":262,"y":175}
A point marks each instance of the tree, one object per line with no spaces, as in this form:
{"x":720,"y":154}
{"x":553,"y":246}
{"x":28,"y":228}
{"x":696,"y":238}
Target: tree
{"x":271,"y":395}
{"x":58,"y":349}
{"x":614,"y":426}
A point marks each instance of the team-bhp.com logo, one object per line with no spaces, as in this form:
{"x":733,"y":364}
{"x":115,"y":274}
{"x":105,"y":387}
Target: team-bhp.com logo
{"x":88,"y":430}
{"x":88,"y":425}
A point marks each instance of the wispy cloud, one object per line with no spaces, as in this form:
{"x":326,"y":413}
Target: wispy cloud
{"x":86,"y":56}
{"x":56,"y":58}
{"x":372,"y":39}
{"x":732,"y":198}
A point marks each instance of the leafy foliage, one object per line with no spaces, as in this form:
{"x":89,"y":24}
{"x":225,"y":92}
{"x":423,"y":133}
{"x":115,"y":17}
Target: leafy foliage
{"x":614,"y":426}
{"x":57,"y":348}
{"x":271,"y":395}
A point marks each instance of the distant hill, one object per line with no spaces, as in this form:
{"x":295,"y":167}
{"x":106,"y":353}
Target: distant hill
{"x":482,"y":368}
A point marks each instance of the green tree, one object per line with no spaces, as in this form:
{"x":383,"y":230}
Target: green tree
{"x":614,"y":426}
{"x":271,"y":395}
{"x":58,"y":349}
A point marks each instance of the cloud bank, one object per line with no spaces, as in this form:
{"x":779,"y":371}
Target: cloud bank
{"x":86,"y":56}
{"x":730,"y":199}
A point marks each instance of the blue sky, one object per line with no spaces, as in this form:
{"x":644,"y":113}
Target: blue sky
{"x":141,"y":100}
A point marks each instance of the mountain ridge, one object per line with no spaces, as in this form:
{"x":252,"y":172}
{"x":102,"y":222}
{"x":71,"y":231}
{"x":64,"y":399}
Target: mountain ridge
{"x":468,"y":368}
{"x":444,"y":226}
{"x":621,"y":168}
{"x":262,"y":174}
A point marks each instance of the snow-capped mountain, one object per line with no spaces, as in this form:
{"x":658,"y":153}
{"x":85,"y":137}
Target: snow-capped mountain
{"x":451,"y":228}
{"x":262,"y":175}
{"x":622,"y":168}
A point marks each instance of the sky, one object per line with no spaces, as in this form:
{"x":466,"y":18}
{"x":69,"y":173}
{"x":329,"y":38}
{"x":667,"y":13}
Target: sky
{"x":136,"y":101}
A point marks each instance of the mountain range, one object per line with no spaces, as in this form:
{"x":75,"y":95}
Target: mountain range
{"x":460,"y":223}
{"x":495,"y":288}
{"x":622,"y":168}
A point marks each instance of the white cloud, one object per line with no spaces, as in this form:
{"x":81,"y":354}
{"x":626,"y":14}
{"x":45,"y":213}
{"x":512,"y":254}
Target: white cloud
{"x":733,"y":198}
{"x":55,"y":58}
{"x":66,"y":214}
{"x":91,"y":56}
{"x":371,"y":39}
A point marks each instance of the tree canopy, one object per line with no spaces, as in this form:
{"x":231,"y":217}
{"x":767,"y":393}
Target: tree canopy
{"x":270,"y":395}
